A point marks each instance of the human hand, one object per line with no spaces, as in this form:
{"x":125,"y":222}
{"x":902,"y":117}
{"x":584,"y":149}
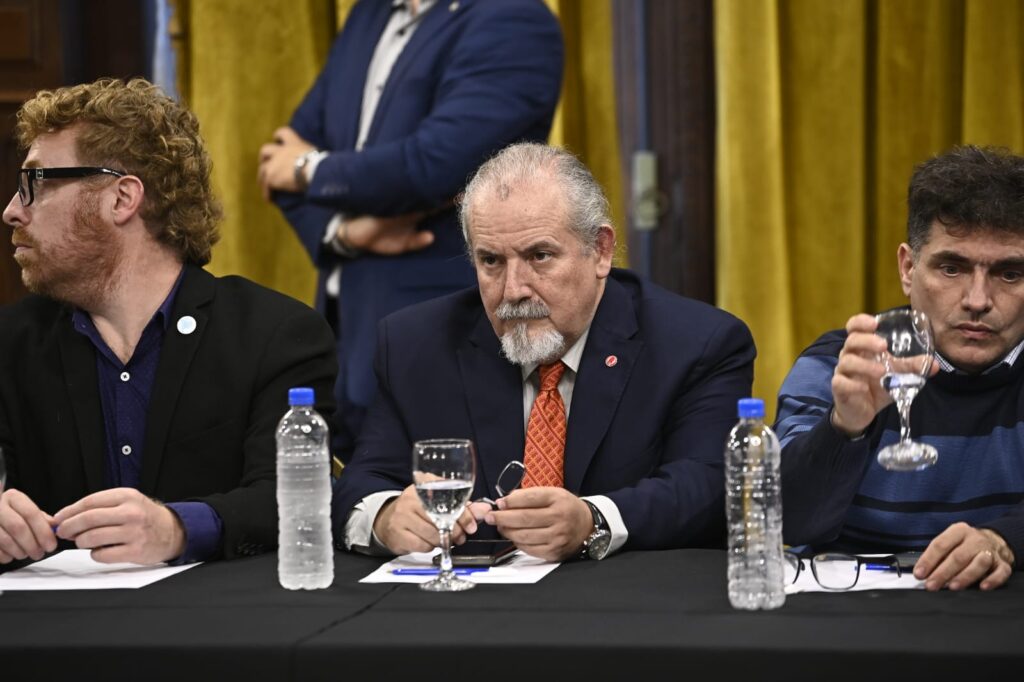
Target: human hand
{"x":962,"y":555}
{"x":122,"y":524}
{"x":277,"y":162}
{"x":26,"y":532}
{"x":857,"y":391}
{"x":545,"y":522}
{"x":403,"y":526}
{"x":389,"y":236}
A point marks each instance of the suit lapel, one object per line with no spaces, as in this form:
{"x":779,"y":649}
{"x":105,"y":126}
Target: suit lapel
{"x":78,"y":357}
{"x":354,"y":70}
{"x":196,"y":292}
{"x":434,"y":21}
{"x":599,"y":387}
{"x":494,"y":395}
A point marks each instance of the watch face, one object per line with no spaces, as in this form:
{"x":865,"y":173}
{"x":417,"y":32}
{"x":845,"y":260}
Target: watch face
{"x":598,"y":544}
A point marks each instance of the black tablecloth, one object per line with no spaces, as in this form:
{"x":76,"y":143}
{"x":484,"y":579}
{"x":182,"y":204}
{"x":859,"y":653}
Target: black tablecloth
{"x":651,"y":613}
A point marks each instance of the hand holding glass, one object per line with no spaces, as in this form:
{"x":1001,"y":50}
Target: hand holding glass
{"x":908,"y":362}
{"x":443,"y":472}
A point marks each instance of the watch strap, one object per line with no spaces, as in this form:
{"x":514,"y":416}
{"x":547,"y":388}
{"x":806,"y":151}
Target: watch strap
{"x":600,"y":532}
{"x":599,"y":522}
{"x":300,"y":167}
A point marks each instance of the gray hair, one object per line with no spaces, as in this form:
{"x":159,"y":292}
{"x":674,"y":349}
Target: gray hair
{"x":523,"y":161}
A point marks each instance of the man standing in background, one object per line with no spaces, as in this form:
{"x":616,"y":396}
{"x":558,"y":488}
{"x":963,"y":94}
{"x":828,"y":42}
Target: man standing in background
{"x":415,"y":95}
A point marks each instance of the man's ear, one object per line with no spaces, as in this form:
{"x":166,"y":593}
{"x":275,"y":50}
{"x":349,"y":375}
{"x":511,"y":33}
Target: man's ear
{"x":605,"y":248}
{"x":128,"y":195}
{"x":905,"y":259}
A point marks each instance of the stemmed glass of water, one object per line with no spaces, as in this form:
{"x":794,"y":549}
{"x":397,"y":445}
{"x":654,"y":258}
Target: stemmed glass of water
{"x":443,"y":471}
{"x":908,"y":361}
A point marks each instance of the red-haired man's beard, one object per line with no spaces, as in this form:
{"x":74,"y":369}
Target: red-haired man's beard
{"x":80,"y":266}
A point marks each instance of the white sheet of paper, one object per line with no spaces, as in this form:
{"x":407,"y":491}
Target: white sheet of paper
{"x":520,"y":569}
{"x":868,"y":580}
{"x":74,"y":569}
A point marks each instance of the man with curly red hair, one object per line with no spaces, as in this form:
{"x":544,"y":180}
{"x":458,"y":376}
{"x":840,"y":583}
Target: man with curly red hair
{"x":138,"y":392}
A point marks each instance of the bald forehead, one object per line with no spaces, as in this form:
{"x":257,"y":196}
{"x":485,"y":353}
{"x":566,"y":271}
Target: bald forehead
{"x":541,"y":193}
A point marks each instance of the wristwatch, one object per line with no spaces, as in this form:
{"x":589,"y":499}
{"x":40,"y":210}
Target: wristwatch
{"x":300,"y":167}
{"x":596,"y":546}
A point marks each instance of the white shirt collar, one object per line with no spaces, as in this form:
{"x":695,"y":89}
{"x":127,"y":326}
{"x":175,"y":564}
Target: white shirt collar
{"x":1009,"y":359}
{"x":571,"y":358}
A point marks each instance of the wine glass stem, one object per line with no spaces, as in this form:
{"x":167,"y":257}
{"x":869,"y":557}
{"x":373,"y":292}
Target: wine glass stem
{"x":446,"y":553}
{"x":904,"y":408}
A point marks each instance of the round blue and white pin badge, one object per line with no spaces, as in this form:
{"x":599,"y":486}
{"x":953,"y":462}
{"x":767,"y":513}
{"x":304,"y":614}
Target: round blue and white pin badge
{"x":186,"y":325}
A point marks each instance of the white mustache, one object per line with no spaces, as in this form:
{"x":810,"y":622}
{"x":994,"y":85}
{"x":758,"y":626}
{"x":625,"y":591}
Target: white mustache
{"x":524,"y":310}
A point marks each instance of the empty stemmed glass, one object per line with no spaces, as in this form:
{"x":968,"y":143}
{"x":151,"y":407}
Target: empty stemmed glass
{"x":908,"y":361}
{"x":443,"y":471}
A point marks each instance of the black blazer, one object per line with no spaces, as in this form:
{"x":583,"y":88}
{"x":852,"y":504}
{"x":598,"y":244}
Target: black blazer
{"x":218,"y":395}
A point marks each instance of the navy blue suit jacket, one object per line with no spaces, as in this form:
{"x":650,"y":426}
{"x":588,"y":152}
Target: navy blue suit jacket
{"x":471,"y":80}
{"x":649,"y":432}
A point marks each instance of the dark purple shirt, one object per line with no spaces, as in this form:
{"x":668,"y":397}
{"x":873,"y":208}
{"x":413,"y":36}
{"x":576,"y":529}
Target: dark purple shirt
{"x":125,"y":389}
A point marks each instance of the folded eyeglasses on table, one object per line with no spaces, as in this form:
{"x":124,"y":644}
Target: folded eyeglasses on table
{"x":835,"y":571}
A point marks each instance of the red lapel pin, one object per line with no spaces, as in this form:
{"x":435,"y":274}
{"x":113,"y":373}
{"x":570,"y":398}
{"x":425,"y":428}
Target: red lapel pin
{"x":611,"y":361}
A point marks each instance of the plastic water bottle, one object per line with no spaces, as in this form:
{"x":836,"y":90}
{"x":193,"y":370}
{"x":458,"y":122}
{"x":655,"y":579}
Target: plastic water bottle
{"x":305,"y":557}
{"x":754,"y":510}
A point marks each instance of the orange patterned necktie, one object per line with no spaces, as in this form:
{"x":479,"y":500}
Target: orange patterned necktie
{"x":545,"y":432}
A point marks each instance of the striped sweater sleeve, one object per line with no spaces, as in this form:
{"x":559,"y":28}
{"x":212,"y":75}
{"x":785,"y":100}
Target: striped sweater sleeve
{"x":821,"y":468}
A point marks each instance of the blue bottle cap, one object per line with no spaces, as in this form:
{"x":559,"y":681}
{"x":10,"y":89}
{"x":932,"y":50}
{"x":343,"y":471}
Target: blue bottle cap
{"x":751,"y":408}
{"x":300,"y":396}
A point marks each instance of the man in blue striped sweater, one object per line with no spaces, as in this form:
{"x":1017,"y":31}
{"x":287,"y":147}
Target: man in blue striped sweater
{"x":963,"y":265}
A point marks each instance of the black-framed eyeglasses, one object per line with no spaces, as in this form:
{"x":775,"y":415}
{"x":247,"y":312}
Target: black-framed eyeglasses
{"x":838,"y":571}
{"x":510,"y":478}
{"x":28,"y":176}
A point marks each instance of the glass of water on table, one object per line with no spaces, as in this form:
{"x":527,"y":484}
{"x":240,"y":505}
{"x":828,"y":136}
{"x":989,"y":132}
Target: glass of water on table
{"x":443,"y":471}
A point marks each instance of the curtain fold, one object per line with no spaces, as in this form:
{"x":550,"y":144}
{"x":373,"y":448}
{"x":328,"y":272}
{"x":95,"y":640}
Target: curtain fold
{"x":244,"y":67}
{"x":244,"y":79}
{"x":585,"y":121}
{"x":824,"y":109}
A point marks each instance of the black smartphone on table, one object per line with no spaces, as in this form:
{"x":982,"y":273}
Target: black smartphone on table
{"x":480,"y":553}
{"x":906,"y":560}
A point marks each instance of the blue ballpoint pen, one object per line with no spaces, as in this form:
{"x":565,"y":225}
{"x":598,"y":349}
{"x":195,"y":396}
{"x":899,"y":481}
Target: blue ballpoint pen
{"x":434,"y":571}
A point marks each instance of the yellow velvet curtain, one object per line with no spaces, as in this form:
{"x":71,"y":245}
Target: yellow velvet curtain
{"x":585,"y":121}
{"x":247,"y":65}
{"x":824,"y":108}
{"x":244,"y":66}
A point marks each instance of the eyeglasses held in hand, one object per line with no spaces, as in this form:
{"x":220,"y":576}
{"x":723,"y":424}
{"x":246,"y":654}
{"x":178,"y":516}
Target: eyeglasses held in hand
{"x":510,"y":478}
{"x":28,"y":176}
{"x":838,"y":571}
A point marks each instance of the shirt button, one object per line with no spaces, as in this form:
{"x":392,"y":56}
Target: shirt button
{"x":125,"y":376}
{"x":126,"y":450}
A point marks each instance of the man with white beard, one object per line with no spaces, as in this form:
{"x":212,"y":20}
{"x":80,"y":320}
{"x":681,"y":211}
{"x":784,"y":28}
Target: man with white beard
{"x":616,"y":395}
